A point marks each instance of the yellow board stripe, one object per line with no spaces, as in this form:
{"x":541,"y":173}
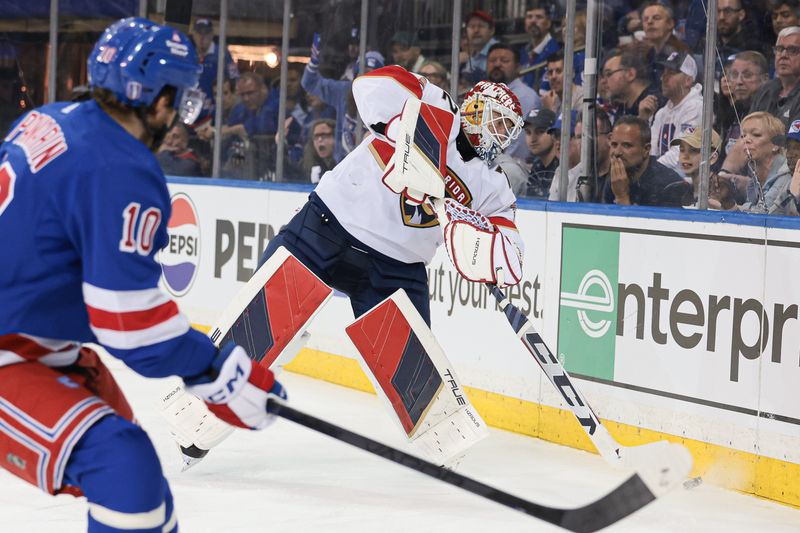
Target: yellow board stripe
{"x":765,"y":477}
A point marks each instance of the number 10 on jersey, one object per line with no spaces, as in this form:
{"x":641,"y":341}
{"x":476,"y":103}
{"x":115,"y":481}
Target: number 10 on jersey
{"x":139,"y":230}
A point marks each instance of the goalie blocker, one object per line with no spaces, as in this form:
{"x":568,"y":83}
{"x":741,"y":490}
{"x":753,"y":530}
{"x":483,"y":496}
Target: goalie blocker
{"x":412,"y":374}
{"x":267,"y":318}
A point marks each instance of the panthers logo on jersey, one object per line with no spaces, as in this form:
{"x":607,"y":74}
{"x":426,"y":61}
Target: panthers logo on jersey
{"x":422,"y":216}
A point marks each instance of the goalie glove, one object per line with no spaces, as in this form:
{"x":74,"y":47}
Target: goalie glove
{"x":479,"y":249}
{"x":236,"y":390}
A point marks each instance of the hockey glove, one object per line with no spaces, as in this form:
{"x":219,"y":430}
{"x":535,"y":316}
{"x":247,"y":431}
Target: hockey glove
{"x":313,"y":62}
{"x":236,"y":390}
{"x":478,"y":248}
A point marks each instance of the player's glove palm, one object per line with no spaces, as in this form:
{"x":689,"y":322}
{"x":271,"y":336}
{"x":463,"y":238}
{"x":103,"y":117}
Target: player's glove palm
{"x":236,"y":390}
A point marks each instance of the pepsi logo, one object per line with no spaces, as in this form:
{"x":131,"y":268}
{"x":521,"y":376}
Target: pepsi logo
{"x":180,"y":259}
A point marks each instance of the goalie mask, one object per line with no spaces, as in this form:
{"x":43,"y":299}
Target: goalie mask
{"x":491,"y":117}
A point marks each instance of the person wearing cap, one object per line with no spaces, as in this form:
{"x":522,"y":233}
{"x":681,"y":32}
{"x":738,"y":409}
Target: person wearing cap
{"x":479,"y":27}
{"x":637,"y":178}
{"x":681,"y":112}
{"x":406,"y":51}
{"x":781,"y":96}
{"x":503,"y":67}
{"x":793,"y":161}
{"x":689,"y":144}
{"x":541,"y":44}
{"x":338,"y":94}
{"x":543,"y":144}
{"x":202,"y":35}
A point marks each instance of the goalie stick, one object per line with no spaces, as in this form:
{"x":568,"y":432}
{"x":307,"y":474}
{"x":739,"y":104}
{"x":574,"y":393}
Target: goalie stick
{"x":662,"y":465}
{"x":625,"y":499}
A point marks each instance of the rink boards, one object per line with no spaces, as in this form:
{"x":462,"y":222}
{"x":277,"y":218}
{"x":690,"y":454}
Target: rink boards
{"x":678,"y":324}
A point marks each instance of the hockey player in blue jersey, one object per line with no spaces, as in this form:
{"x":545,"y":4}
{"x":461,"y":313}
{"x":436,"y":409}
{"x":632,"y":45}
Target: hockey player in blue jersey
{"x":83,"y":210}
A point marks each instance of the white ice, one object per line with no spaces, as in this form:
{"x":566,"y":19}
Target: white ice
{"x":291,"y":479}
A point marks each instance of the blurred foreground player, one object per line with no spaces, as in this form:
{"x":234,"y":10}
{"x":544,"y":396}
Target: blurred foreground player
{"x":83,"y":210}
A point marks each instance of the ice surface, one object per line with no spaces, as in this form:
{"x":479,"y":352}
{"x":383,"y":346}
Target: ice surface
{"x":291,"y":479}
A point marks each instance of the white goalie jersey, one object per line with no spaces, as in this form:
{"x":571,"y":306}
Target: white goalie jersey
{"x":382,"y":219}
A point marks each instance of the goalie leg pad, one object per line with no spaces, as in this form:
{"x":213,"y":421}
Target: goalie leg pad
{"x":274,"y":308}
{"x":416,"y":378}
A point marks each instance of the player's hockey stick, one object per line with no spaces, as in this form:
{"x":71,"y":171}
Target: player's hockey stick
{"x":627,"y":498}
{"x":662,"y":465}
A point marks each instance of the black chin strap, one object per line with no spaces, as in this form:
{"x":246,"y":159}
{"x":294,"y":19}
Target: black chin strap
{"x":156,"y":134}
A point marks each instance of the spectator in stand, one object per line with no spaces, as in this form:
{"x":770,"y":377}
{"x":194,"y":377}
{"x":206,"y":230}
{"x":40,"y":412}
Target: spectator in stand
{"x":338,"y":94}
{"x":551,"y":99}
{"x":579,"y":44}
{"x":352,"y":54}
{"x":689,"y":144}
{"x":732,"y":36}
{"x":627,"y":80}
{"x":762,"y":135}
{"x":436,"y":74}
{"x":406,"y":51}
{"x":658,"y":23}
{"x":785,"y":13}
{"x":255,"y":114}
{"x":637,"y":178}
{"x":591,"y":189}
{"x":318,"y":155}
{"x":781,"y":96}
{"x":574,"y":146}
{"x":682,"y":111}
{"x":793,"y":145}
{"x":480,"y":37}
{"x":544,"y":147}
{"x":207,"y":52}
{"x":541,"y":44}
{"x":793,"y":161}
{"x":503,"y":65}
{"x":311,"y":110}
{"x":249,"y":133}
{"x":743,"y":77}
{"x":202,"y":141}
{"x":175,"y":156}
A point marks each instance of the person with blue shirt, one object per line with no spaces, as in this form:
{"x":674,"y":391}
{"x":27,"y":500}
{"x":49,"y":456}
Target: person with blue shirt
{"x":207,"y":53}
{"x":480,"y":38}
{"x":338,"y":94}
{"x":534,"y":54}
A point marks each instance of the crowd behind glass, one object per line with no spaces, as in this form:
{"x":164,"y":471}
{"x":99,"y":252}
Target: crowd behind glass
{"x":649,"y":101}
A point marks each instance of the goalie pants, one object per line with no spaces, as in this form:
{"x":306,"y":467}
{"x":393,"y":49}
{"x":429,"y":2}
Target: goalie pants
{"x":367,"y":276}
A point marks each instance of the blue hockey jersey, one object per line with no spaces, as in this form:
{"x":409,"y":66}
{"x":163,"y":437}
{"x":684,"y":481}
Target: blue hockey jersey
{"x":83,"y":210}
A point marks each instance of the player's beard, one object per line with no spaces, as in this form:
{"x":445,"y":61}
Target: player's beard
{"x":157,"y":134}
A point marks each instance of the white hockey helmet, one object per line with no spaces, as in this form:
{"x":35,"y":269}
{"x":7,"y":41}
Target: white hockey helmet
{"x":491,"y":117}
